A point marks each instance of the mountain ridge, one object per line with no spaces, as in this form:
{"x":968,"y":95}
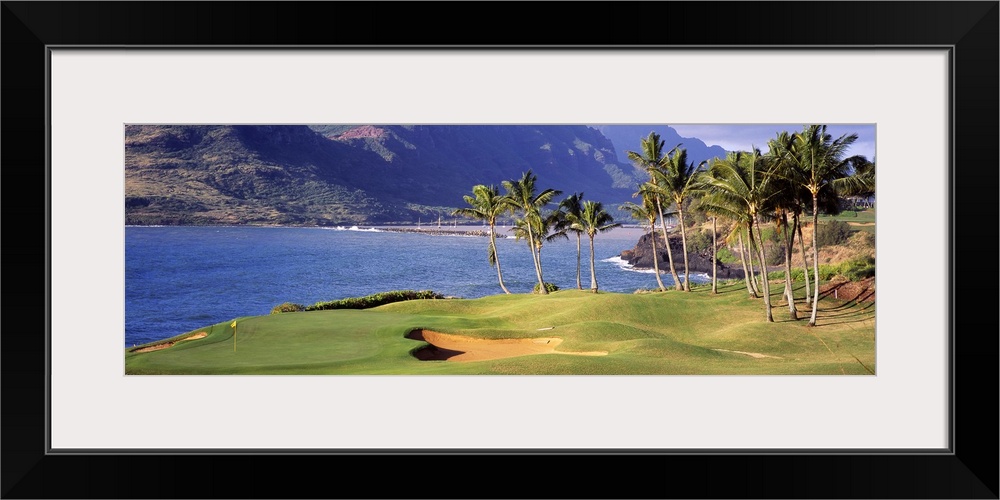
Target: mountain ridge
{"x":326,"y":175}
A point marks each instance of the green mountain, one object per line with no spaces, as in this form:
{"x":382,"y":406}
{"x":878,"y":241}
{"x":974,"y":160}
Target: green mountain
{"x":351,"y":174}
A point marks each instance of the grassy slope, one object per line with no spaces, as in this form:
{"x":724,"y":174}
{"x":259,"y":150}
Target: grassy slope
{"x":660,"y":333}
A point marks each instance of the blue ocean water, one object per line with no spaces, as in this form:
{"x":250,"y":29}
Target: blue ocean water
{"x":178,"y":279}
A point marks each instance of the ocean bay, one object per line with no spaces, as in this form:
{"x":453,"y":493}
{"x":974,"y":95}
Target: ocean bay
{"x":180,"y":278}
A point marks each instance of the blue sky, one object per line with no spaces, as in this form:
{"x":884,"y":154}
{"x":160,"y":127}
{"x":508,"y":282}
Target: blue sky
{"x":742,"y":137}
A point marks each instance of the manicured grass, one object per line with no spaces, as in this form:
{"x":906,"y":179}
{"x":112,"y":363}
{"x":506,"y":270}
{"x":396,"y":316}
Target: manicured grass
{"x":652,"y":333}
{"x":862,"y":216}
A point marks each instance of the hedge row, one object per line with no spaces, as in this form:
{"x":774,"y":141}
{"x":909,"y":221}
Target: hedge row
{"x":373,"y":300}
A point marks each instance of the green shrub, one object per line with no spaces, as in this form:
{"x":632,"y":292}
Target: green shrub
{"x":549,"y":287}
{"x":775,"y":253}
{"x":797,"y":274}
{"x":858,"y":269}
{"x":862,"y":240}
{"x":694,"y":218}
{"x":834,"y":232}
{"x":724,"y":256}
{"x":374,"y":300}
{"x":699,"y":241}
{"x":287,"y":307}
{"x":768,"y":233}
{"x":826,"y":273}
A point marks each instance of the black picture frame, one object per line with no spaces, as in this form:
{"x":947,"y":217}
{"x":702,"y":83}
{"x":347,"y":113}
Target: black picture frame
{"x":969,"y":470}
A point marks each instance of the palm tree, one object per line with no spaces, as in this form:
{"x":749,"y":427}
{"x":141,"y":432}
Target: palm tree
{"x":543,"y":227}
{"x":747,"y":263}
{"x":572,"y":212}
{"x":720,"y":202}
{"x":787,"y":200}
{"x":821,"y":167}
{"x":647,"y":213}
{"x":678,"y":179}
{"x":651,"y":159}
{"x":486,"y":204}
{"x":805,"y":263}
{"x":782,"y":147}
{"x":715,"y":255}
{"x":523,"y":195}
{"x":738,"y":187}
{"x":864,"y":175}
{"x":595,"y":220}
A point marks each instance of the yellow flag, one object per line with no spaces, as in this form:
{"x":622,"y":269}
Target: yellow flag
{"x":233,"y":324}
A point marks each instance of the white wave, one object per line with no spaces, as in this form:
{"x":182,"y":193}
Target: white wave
{"x":625,"y":266}
{"x":356,"y":228}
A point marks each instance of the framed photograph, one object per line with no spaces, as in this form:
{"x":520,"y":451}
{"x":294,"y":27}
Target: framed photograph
{"x":83,"y":80}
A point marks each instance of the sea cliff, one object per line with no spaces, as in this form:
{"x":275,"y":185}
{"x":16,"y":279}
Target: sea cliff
{"x":642,"y":257}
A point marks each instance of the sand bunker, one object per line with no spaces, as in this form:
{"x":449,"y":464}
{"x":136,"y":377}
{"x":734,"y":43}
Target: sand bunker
{"x":157,"y":347}
{"x":751,"y":354}
{"x":449,"y":347}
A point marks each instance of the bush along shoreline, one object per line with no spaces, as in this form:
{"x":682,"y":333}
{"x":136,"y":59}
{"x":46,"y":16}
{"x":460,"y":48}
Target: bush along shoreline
{"x":368,"y":301}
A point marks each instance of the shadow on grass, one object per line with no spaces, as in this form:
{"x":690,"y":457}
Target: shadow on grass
{"x":731,"y":289}
{"x":854,"y":315}
{"x":850,"y":312}
{"x":430,"y":352}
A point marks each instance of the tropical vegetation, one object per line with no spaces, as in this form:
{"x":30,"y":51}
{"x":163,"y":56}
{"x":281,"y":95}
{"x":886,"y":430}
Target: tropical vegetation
{"x":756,"y":203}
{"x":761,"y":198}
{"x":652,"y":158}
{"x":647,"y":212}
{"x":525,"y":199}
{"x":487,"y":205}
{"x":595,"y":220}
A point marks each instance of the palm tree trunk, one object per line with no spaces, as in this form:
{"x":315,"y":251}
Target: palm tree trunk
{"x":536,"y":259}
{"x":751,"y":250}
{"x":789,"y":244}
{"x":670,"y":255}
{"x":805,"y":263}
{"x":812,"y":319}
{"x":684,"y":246}
{"x":763,"y":272}
{"x":496,"y":258}
{"x":715,"y":251}
{"x":593,"y":275}
{"x":538,"y":253}
{"x":578,"y":238}
{"x":743,"y":260}
{"x":656,"y":264}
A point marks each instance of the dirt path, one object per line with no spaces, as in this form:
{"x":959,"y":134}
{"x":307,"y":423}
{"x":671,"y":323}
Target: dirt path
{"x":751,"y":354}
{"x":449,"y":347}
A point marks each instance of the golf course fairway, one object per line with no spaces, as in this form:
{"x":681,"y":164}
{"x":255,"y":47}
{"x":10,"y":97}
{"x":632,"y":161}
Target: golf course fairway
{"x":569,"y":332}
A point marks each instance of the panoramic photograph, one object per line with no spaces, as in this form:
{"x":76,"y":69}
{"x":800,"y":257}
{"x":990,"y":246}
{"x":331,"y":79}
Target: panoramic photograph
{"x":497,"y":249}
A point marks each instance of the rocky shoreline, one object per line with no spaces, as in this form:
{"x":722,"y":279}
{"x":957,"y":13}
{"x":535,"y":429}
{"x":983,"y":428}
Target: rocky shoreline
{"x":641,"y":257}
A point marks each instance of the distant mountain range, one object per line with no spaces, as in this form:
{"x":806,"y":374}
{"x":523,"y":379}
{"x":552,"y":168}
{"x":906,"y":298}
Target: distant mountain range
{"x":365,"y":174}
{"x":629,"y":138}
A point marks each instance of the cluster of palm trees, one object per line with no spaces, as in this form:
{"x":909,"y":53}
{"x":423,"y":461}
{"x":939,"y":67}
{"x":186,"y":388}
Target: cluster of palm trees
{"x":671,"y":180}
{"x":804,"y":172}
{"x":808,"y":171}
{"x":534,"y":225}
